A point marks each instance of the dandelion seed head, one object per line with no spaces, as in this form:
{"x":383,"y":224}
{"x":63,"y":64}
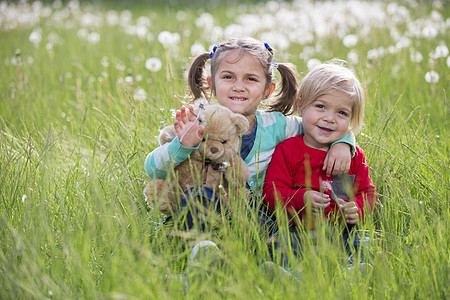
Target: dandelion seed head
{"x":353,"y":57}
{"x":168,"y":39}
{"x":312,"y":63}
{"x":350,"y":40}
{"x":181,"y":15}
{"x":197,"y":49}
{"x":93,"y":37}
{"x":105,"y":61}
{"x":120,"y":66}
{"x":139,"y":94}
{"x":206,"y":20}
{"x":35,"y":37}
{"x":112,"y":17}
{"x":440,"y":51}
{"x":416,"y":56}
{"x":432,"y":77}
{"x":153,"y":64}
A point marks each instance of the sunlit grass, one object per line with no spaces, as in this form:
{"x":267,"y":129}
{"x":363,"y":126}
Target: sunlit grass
{"x":73,"y":139}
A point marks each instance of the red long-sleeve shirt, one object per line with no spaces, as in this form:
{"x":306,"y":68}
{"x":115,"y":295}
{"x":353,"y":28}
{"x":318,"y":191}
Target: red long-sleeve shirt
{"x":295,"y":168}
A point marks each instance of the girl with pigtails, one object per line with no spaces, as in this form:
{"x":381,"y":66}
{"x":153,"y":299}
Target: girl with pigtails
{"x":241,"y":76}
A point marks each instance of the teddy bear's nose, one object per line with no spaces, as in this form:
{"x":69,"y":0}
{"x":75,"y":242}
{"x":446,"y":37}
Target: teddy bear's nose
{"x":214,"y":150}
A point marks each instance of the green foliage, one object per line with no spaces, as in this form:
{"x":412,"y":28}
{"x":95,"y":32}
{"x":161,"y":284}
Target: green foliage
{"x":75,"y":132}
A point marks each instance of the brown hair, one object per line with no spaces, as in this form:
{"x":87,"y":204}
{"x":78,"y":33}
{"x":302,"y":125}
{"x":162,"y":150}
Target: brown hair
{"x":197,"y":77}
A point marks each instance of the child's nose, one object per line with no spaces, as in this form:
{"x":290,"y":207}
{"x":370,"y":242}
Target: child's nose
{"x":329,"y":117}
{"x":238,"y":86}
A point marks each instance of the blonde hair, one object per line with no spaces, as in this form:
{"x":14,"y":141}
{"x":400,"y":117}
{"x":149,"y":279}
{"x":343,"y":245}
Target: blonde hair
{"x":328,"y":77}
{"x":197,"y":76}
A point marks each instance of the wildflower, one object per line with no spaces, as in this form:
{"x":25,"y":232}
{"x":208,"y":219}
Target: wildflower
{"x":153,"y":64}
{"x":312,"y":63}
{"x":352,"y":57}
{"x":35,"y":37}
{"x":82,"y":33}
{"x":376,"y":53}
{"x":105,"y":62}
{"x":24,"y":197}
{"x":93,"y":37}
{"x":168,"y":39}
{"x":129,"y":79}
{"x":125,"y":17}
{"x":181,"y":15}
{"x":112,"y":17}
{"x":140,"y":94}
{"x":141,"y":31}
{"x":432,"y":77}
{"x":416,"y":56}
{"x":440,"y":51}
{"x":197,"y":49}
{"x":120,"y":66}
{"x":206,"y":20}
{"x":350,"y":40}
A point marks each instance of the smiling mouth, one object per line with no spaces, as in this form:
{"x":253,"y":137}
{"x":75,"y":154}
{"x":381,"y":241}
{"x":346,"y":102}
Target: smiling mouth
{"x":239,"y":99}
{"x":325,"y":129}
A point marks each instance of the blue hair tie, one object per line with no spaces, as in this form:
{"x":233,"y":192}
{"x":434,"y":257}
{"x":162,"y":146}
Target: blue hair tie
{"x":212,"y":52}
{"x":267,"y":46}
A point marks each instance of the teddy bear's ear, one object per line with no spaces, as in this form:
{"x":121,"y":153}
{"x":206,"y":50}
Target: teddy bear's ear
{"x":240,"y":121}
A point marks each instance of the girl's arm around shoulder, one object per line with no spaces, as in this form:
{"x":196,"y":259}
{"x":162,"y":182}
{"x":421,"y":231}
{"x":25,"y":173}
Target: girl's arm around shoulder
{"x":166,"y":156}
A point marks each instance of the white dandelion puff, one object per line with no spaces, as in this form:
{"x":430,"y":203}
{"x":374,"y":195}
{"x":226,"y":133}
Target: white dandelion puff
{"x":168,"y":39}
{"x":312,"y":63}
{"x":35,"y":37}
{"x":197,"y":49}
{"x":153,"y":64}
{"x":140,"y":94}
{"x":129,"y":79}
{"x":93,"y":37}
{"x":350,"y":40}
{"x":416,"y":56}
{"x":440,"y":51}
{"x":432,"y":77}
{"x":353,"y":57}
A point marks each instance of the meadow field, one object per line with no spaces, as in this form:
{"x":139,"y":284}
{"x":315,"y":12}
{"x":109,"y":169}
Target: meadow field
{"x":85,"y":87}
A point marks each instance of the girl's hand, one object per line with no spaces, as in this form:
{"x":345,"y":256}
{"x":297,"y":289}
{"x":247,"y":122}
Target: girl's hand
{"x":350,"y":211}
{"x":188,"y":130}
{"x":338,"y":159}
{"x":319,"y":201}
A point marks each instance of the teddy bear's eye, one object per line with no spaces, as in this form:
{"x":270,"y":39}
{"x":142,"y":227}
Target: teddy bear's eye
{"x":223,"y":142}
{"x":203,"y":140}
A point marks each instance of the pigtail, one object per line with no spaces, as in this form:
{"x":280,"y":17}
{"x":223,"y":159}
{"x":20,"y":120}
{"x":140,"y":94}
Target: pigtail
{"x":197,"y":77}
{"x":285,"y":99}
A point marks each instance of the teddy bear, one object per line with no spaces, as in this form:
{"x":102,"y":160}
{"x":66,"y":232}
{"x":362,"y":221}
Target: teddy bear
{"x":214,"y":164}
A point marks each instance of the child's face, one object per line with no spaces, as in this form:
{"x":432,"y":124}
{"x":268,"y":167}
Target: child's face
{"x":240,"y":83}
{"x":326,"y":120}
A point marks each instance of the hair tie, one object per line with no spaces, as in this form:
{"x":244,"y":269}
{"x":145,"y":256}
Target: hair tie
{"x":267,"y":46}
{"x":274,"y":64}
{"x":212,"y":52}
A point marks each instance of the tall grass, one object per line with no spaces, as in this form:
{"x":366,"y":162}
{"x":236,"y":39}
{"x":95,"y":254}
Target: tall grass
{"x":74,"y":223}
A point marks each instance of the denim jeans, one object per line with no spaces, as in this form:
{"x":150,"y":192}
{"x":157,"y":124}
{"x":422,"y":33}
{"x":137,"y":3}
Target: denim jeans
{"x":355,"y":242}
{"x":197,"y":202}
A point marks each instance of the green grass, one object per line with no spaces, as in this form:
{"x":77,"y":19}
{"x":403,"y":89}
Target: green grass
{"x":73,"y":139}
